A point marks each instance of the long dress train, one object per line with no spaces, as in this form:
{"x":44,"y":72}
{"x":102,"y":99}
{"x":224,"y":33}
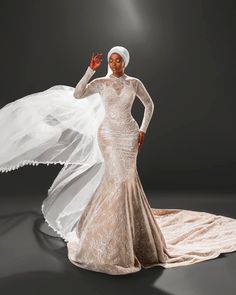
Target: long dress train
{"x":97,"y":203}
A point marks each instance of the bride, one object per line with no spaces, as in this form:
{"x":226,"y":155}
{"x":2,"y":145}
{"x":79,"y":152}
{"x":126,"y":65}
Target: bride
{"x":97,"y":204}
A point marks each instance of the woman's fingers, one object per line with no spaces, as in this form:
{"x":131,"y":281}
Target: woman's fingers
{"x":140,"y":140}
{"x":98,"y":56}
{"x":99,"y":59}
{"x":96,"y":60}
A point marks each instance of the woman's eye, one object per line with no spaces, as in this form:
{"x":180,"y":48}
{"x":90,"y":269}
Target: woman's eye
{"x":118,"y":60}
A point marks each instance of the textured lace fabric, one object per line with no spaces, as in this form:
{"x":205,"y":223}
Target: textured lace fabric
{"x":118,"y":95}
{"x":118,"y":232}
{"x":97,"y":203}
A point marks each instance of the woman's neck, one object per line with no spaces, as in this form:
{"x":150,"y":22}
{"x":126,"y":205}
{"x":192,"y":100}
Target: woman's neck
{"x":118,"y":75}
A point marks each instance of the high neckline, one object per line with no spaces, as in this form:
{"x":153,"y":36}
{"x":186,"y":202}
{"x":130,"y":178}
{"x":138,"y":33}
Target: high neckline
{"x":121,"y":77}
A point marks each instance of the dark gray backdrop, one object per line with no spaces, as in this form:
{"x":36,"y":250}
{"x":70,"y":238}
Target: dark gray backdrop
{"x":183,"y":51}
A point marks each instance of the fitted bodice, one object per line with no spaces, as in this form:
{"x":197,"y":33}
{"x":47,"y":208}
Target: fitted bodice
{"x":118,"y":94}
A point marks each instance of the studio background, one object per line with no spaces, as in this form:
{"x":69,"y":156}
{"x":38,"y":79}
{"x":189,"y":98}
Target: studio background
{"x":183,"y":52}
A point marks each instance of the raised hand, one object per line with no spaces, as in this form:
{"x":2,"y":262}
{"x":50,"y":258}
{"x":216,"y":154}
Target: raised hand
{"x":96,"y":61}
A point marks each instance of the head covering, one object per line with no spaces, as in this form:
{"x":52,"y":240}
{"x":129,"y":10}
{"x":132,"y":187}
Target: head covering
{"x":122,"y":51}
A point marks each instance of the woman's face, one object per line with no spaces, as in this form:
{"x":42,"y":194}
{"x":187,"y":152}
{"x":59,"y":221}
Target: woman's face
{"x":116,"y":63}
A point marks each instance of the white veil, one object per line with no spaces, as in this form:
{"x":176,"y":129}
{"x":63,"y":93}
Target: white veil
{"x":51,"y":127}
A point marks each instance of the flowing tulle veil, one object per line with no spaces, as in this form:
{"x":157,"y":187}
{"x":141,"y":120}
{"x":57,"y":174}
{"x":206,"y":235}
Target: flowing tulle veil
{"x":52,"y":127}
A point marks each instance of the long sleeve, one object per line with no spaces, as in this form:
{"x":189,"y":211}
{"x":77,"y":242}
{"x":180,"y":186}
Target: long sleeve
{"x":145,"y":98}
{"x":83,"y":88}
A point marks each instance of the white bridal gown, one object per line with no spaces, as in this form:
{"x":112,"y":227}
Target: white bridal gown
{"x":97,"y":203}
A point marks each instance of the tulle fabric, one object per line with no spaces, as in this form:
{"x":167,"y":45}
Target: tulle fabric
{"x":51,"y":127}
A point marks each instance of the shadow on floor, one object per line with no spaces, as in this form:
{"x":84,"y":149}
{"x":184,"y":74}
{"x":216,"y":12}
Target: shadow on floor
{"x":33,"y":262}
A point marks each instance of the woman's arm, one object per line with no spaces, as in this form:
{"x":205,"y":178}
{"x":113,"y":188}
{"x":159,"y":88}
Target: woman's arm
{"x":83,"y":88}
{"x":145,"y":98}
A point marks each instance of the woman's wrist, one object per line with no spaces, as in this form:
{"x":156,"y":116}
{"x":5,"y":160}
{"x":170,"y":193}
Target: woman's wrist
{"x":91,"y":68}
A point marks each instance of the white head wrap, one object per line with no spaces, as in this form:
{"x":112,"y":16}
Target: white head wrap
{"x":122,"y":51}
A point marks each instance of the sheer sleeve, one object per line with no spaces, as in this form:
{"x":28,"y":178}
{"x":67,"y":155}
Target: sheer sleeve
{"x":83,"y":88}
{"x":147,"y":101}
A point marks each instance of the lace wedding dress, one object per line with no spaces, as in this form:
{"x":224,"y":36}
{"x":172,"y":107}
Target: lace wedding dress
{"x":97,"y":203}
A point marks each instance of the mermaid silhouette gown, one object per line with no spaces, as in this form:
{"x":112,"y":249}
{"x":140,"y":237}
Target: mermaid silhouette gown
{"x":118,"y":232}
{"x":97,"y":203}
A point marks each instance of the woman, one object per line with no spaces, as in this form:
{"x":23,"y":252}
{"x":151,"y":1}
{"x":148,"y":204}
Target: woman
{"x":97,"y":203}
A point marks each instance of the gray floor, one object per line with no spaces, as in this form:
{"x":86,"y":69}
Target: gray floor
{"x":33,"y":262}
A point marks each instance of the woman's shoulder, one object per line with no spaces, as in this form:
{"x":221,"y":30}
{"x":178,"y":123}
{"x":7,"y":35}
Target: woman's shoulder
{"x":134,"y":79}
